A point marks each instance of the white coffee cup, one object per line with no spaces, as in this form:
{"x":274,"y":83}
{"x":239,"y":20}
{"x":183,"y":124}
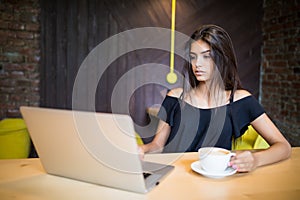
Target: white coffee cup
{"x":214,"y":159}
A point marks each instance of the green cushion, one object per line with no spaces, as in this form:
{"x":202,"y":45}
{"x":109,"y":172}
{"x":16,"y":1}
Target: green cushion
{"x":14,"y":139}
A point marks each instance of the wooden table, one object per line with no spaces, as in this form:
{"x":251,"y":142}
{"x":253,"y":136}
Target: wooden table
{"x":26,"y":179}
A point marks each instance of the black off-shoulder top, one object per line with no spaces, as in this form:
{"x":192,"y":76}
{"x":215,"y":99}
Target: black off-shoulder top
{"x":193,"y":128}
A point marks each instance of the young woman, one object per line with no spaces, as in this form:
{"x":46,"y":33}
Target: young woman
{"x":212,"y":108}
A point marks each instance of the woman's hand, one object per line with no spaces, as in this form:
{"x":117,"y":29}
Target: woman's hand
{"x":141,"y":151}
{"x":244,"y":161}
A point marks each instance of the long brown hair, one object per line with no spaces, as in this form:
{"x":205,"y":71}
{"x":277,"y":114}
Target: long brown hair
{"x":223,"y":55}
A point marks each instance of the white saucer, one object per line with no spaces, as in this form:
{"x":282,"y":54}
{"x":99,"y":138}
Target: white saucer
{"x":196,"y":166}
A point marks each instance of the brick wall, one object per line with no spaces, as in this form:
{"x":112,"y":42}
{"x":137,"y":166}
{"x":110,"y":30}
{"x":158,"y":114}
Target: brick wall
{"x":19,"y":55}
{"x":280,"y":74}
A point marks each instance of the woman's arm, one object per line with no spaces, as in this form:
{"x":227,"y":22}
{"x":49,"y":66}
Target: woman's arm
{"x":160,"y":139}
{"x":163,"y":131}
{"x":279,"y":148}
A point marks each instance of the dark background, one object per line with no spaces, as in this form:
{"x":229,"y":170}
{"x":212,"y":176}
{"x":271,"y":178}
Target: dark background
{"x":71,"y":29}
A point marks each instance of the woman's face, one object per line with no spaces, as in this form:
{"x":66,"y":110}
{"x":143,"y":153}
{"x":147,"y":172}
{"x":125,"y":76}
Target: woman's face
{"x":202,"y":63}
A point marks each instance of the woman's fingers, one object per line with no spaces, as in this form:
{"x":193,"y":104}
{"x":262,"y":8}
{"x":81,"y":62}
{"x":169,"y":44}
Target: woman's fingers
{"x":243,"y":161}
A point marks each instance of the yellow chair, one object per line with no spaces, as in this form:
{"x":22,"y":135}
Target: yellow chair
{"x":249,"y":140}
{"x":14,"y":139}
{"x":138,"y":139}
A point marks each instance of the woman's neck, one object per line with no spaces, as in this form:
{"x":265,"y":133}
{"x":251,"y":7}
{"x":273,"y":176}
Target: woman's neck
{"x":204,"y":97}
{"x":202,"y":90}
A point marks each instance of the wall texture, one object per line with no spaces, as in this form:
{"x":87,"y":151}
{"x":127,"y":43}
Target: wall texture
{"x":280,"y":72}
{"x":19,"y":55}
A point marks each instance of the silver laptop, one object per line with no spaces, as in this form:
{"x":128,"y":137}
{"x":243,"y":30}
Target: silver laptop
{"x":99,"y":148}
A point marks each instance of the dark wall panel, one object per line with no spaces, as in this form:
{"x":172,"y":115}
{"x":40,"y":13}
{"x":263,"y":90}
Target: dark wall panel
{"x":71,"y":29}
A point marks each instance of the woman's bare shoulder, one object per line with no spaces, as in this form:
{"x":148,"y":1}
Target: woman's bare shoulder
{"x":239,"y":94}
{"x":176,"y":92}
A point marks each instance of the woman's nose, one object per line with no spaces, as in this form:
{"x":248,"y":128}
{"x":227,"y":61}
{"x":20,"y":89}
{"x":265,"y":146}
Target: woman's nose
{"x":198,"y":62}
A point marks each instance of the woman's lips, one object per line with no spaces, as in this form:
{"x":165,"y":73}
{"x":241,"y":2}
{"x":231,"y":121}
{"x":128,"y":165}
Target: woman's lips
{"x":199,"y":73}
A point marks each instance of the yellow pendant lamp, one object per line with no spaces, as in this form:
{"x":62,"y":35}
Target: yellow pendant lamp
{"x":171,"y":76}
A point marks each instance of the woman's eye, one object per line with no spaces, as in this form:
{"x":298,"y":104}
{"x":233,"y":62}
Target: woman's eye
{"x":192,"y":57}
{"x":206,"y":56}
